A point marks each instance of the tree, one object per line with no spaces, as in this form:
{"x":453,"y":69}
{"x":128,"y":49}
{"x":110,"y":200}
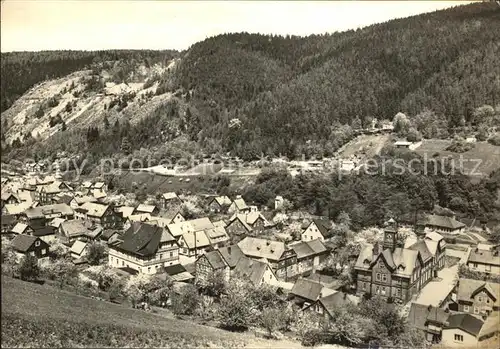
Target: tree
{"x":187,"y":302}
{"x":96,"y":252}
{"x":215,"y":284}
{"x":347,"y":327}
{"x":29,"y":269}
{"x":401,"y":124}
{"x":413,"y":135}
{"x":235,"y":312}
{"x":62,"y":271}
{"x":271,"y":320}
{"x":106,"y":122}
{"x":344,"y":219}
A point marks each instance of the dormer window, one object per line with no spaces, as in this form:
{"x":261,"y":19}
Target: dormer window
{"x":37,"y":243}
{"x":366,"y":261}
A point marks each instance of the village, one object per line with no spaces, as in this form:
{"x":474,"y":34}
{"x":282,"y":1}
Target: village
{"x":64,"y":231}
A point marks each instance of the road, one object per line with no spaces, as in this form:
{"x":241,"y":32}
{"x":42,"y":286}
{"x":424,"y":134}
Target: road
{"x":437,"y":290}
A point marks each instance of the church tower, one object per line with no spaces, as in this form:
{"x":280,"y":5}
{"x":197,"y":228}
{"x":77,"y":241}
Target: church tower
{"x":390,"y":234}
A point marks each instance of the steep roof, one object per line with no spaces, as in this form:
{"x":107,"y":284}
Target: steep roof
{"x":443,"y":222}
{"x":434,"y":236}
{"x":467,"y":288}
{"x":242,"y":220}
{"x":8,"y":219}
{"x":484,"y":257}
{"x":78,"y":247}
{"x":336,"y":300}
{"x":402,"y":260}
{"x":240,"y":204}
{"x":421,"y":247}
{"x":323,"y":226}
{"x":307,"y":289}
{"x":141,"y":239}
{"x":19,"y":228}
{"x":56,"y":222}
{"x":251,"y":269}
{"x":262,"y":248}
{"x":420,"y":314}
{"x":201,"y":239}
{"x":465,"y":322}
{"x":231,"y":255}
{"x":178,"y":229}
{"x":317,"y":246}
{"x":302,"y":250}
{"x":22,"y":243}
{"x":215,"y":259}
{"x":83,"y":199}
{"x":126,"y":211}
{"x":222,"y":200}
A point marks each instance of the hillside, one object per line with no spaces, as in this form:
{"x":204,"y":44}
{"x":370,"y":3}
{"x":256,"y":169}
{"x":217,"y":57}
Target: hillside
{"x":62,"y":319}
{"x":251,"y":94}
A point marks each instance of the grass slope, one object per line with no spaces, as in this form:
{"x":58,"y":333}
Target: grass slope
{"x":35,"y":316}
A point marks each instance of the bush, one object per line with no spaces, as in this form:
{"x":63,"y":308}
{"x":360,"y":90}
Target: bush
{"x":28,"y":269}
{"x":96,"y":252}
{"x":235,"y":312}
{"x":495,"y":140}
{"x":312,"y":338}
{"x":187,"y":302}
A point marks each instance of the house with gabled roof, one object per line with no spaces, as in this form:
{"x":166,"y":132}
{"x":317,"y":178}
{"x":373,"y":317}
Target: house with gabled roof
{"x":461,"y":330}
{"x":283,"y":260}
{"x":222,"y":260}
{"x":486,"y":261}
{"x":326,"y":306}
{"x":145,"y":248}
{"x":477,"y":297}
{"x":73,"y":230}
{"x":258,"y":272}
{"x":428,"y":319}
{"x":318,"y":229}
{"x":219,"y":204}
{"x":442,"y":224}
{"x":193,"y":244}
{"x":78,"y":200}
{"x":143,"y":208}
{"x":79,"y":250}
{"x":238,"y":206}
{"x":30,"y":245}
{"x":247,"y":222}
{"x":21,"y":229}
{"x":170,"y":199}
{"x":309,"y":255}
{"x":101,"y":213}
{"x":306,"y":291}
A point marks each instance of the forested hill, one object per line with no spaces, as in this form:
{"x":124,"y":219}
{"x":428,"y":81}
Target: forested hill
{"x":288,"y":90}
{"x":22,"y":70}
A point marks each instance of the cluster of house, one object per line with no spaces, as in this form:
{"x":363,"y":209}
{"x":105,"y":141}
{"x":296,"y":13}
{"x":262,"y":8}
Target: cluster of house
{"x":158,"y":239}
{"x":471,"y":319}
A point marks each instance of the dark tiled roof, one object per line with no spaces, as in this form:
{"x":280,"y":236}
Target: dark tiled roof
{"x":65,"y":199}
{"x":307,"y":289}
{"x":44,"y":231}
{"x":231,"y":254}
{"x":421,"y":247}
{"x":22,"y":243}
{"x":420,"y":314}
{"x":251,"y":269}
{"x":323,"y":227}
{"x":8,"y":219}
{"x":334,"y":301}
{"x":443,"y":222}
{"x":484,"y":257}
{"x":141,"y":239}
{"x":174,"y":269}
{"x":107,"y":234}
{"x":468,"y":288}
{"x":215,"y":259}
{"x":465,"y":322}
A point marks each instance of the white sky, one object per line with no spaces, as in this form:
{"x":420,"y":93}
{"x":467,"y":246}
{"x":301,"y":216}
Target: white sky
{"x":32,"y":25}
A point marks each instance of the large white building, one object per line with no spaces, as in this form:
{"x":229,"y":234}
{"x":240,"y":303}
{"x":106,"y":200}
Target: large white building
{"x":144,"y":248}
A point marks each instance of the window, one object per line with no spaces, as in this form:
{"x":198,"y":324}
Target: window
{"x":487,"y":300}
{"x":459,"y":338}
{"x":37,"y":243}
{"x":480,"y":299}
{"x":378,"y":276}
{"x":476,"y":310}
{"x":161,"y":255}
{"x":474,"y":265}
{"x":399,"y":292}
{"x":383,"y":291}
{"x":377,"y":290}
{"x":466,"y":308}
{"x":384,"y":277}
{"x":171,"y":254}
{"x":43,"y":252}
{"x":488,"y":268}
